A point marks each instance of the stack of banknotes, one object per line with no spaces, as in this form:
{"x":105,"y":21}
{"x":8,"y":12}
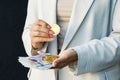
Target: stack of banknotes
{"x":43,"y":61}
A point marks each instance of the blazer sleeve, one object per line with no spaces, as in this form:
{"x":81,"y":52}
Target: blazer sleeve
{"x":100,"y":54}
{"x":32,"y":16}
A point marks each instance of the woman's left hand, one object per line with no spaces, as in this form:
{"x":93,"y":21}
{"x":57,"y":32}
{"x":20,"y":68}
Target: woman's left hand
{"x":65,"y":58}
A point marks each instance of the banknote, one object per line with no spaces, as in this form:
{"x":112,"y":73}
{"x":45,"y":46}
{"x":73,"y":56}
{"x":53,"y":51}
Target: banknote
{"x":43,"y":61}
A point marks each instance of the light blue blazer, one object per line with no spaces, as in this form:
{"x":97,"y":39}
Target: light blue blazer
{"x":93,"y":32}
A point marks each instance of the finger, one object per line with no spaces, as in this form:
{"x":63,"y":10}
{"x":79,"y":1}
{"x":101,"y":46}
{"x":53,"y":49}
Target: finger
{"x":35,"y":34}
{"x":51,"y":32}
{"x":48,"y":26}
{"x":42,"y":23}
{"x":41,"y":39}
{"x":34,"y":27}
{"x":40,"y":34}
{"x":44,"y":29}
{"x":41,"y":29}
{"x":59,"y":63}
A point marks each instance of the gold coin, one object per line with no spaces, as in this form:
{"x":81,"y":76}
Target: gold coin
{"x":49,"y":58}
{"x":56,"y":29}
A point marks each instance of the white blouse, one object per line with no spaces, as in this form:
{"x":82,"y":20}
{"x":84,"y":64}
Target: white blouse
{"x":63,"y":16}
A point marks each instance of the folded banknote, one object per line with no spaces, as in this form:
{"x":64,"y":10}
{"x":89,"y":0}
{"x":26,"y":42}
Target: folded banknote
{"x":43,"y":61}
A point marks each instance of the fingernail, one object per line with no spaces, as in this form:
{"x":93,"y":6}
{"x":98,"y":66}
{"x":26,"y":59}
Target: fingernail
{"x":54,"y":64}
{"x":51,"y":32}
{"x":48,"y":26}
{"x":51,"y":36}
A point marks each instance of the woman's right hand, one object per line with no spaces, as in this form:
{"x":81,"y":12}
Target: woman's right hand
{"x":40,"y":32}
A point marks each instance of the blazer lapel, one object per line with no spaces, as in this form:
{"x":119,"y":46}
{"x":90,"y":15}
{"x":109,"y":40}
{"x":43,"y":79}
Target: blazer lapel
{"x":80,"y":9}
{"x":49,"y":11}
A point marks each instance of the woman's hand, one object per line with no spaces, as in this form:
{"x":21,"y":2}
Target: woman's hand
{"x":39,"y":33}
{"x":65,"y":58}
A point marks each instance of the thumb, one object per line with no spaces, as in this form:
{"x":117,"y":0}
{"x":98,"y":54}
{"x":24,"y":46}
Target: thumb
{"x":57,"y":62}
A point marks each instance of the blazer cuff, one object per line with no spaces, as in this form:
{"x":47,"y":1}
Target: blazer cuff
{"x":82,"y":60}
